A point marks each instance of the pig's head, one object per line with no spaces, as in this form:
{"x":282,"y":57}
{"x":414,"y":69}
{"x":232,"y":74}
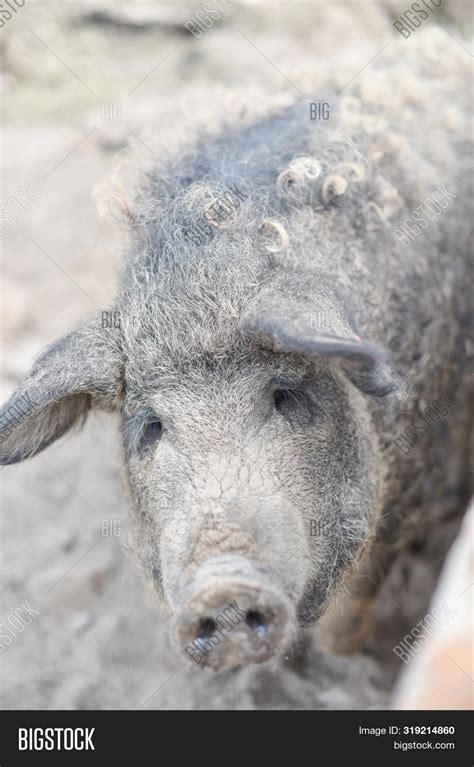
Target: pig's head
{"x":248,"y":443}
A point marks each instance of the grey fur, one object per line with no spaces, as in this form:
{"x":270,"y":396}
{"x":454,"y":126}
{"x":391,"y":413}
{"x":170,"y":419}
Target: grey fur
{"x":209,"y":329}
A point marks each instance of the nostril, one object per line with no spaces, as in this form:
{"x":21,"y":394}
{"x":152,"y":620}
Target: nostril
{"x":231,"y":621}
{"x":256,"y":622}
{"x":207,"y":627}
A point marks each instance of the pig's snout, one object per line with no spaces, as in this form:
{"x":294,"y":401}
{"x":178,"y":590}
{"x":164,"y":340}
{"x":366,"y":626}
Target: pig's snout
{"x":232,"y":623}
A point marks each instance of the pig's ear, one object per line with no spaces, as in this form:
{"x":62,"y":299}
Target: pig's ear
{"x":318,"y":326}
{"x":79,"y":371}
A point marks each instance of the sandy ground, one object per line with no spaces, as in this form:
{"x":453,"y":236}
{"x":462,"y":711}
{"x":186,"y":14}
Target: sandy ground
{"x":99,"y":641}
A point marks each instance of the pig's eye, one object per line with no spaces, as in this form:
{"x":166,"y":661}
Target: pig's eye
{"x":284,"y":399}
{"x":151,"y":433}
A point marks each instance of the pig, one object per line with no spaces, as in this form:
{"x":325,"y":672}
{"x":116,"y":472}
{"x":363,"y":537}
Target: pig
{"x":283,"y":279}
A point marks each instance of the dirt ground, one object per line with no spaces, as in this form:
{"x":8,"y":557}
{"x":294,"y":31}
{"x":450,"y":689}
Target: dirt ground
{"x":99,"y":640}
